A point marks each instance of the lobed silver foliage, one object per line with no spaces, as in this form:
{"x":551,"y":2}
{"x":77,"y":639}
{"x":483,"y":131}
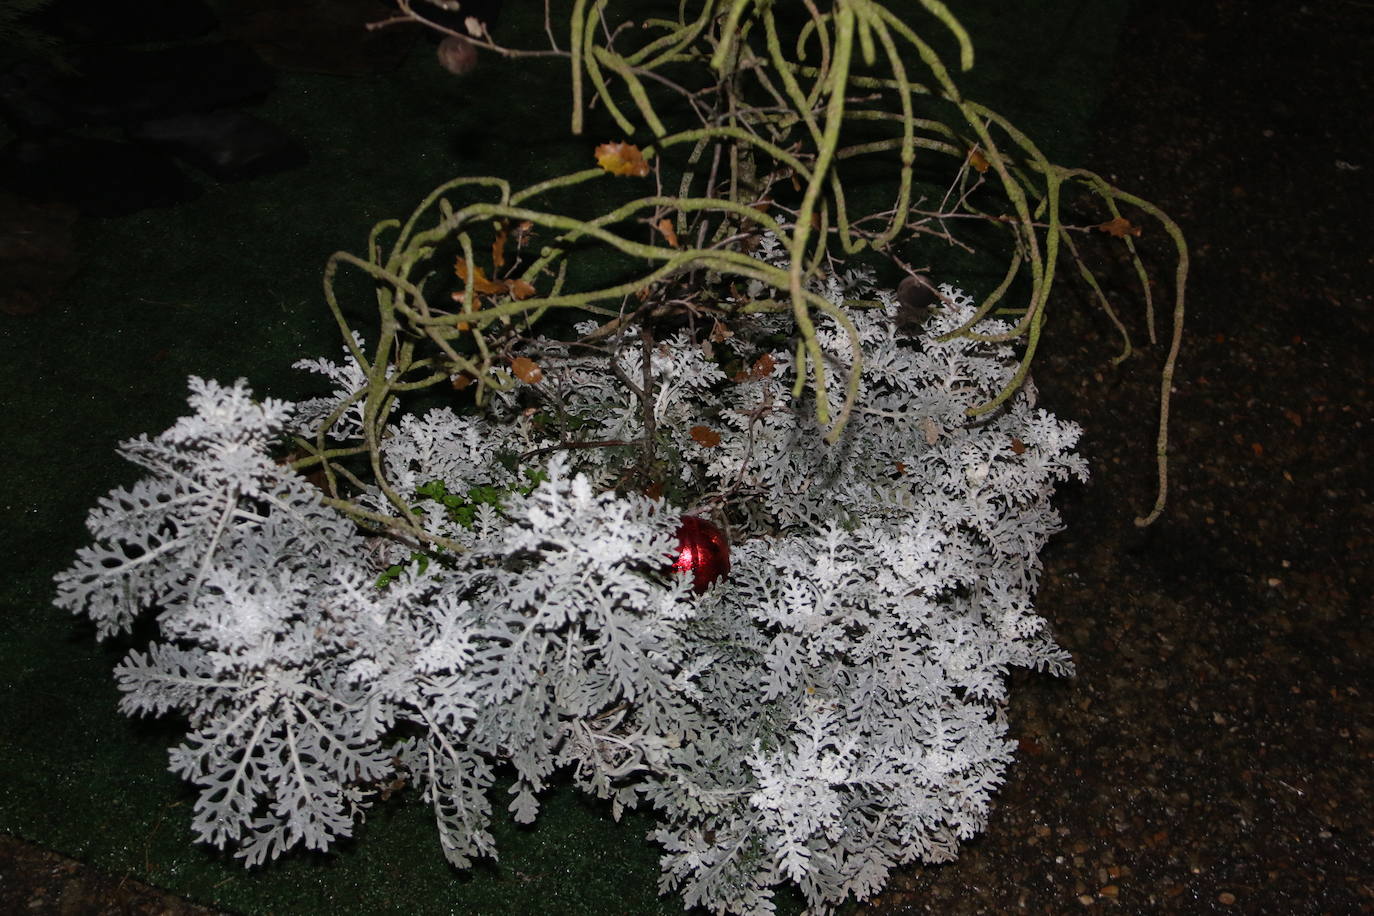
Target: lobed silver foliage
{"x":830,"y":710}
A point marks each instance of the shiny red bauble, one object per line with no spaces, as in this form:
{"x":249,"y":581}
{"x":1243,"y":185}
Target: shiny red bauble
{"x":702,"y":550}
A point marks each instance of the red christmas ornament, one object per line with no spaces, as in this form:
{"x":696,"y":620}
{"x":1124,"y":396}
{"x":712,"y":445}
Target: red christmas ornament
{"x":702,"y":551}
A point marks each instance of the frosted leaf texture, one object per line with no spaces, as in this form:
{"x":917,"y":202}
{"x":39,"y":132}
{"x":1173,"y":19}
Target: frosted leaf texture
{"x":832,"y":709}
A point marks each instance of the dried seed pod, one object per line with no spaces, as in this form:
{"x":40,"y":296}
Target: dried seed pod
{"x":916,"y":299}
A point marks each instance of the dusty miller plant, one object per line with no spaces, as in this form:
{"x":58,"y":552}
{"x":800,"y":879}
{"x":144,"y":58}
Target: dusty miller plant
{"x":353,"y":593}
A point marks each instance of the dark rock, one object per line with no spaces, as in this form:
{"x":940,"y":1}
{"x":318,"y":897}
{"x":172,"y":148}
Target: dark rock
{"x":228,"y":145}
{"x":127,"y":21}
{"x":36,"y":253}
{"x":320,"y":36}
{"x":98,"y":177}
{"x":24,"y":104}
{"x":121,"y":86}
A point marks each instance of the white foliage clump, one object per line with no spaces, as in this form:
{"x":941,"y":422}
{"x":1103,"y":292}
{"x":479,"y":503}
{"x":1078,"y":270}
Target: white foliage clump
{"x":348,"y":377}
{"x":830,"y":710}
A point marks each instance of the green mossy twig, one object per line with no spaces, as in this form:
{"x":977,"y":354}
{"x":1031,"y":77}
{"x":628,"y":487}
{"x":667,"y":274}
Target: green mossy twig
{"x":774,"y":116}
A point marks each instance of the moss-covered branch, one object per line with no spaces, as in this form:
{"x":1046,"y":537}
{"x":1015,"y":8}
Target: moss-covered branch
{"x":777,"y":98}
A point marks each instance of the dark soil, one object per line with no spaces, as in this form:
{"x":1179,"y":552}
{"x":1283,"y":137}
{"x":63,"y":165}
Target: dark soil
{"x":39,"y":881}
{"x":1215,"y":750}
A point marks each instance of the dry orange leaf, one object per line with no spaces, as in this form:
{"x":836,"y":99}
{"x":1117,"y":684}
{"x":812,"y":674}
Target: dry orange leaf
{"x":719,"y":332}
{"x":521,"y":289}
{"x":1018,"y":447}
{"x":476,"y":307}
{"x":1119,"y":227}
{"x":665,"y":226}
{"x":498,"y":247}
{"x":978,"y":160}
{"x":705,"y":435}
{"x":526,"y":370}
{"x":761,"y":369}
{"x":480,"y":283}
{"x":622,"y":159}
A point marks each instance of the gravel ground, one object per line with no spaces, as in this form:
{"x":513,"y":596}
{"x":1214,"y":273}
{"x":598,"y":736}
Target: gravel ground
{"x":1214,"y":751}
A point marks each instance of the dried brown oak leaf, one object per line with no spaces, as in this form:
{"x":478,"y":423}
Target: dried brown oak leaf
{"x":1119,"y":227}
{"x":705,"y":435}
{"x":526,"y":370}
{"x":761,"y":369}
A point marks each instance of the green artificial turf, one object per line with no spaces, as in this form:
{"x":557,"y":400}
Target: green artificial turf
{"x":229,"y":286}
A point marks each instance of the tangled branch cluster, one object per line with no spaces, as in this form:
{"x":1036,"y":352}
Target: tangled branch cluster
{"x":783,"y":107}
